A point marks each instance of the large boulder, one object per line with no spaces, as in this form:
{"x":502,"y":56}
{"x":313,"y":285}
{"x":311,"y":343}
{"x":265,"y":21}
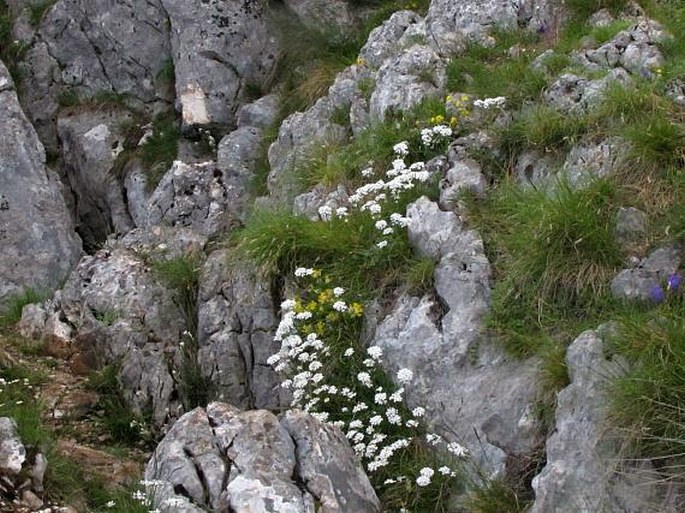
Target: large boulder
{"x":37,"y":237}
{"x":236,"y":326}
{"x":221,"y":459}
{"x":583,"y":471}
{"x":219,"y":49}
{"x":472,"y":391}
{"x":87,"y":47}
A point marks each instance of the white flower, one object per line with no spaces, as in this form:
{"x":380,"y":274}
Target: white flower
{"x":341,"y":212}
{"x":427,"y":471}
{"x":289,"y":304}
{"x":359,"y":407}
{"x":396,"y":396}
{"x":382,"y":244}
{"x":338,"y":291}
{"x":340,"y":306}
{"x":381,"y":224}
{"x":399,"y":220}
{"x":423,"y":481}
{"x":380,"y":398}
{"x":418,"y":411}
{"x":405,"y":376}
{"x":348,"y":352}
{"x":325,"y":212}
{"x":393,"y":416}
{"x":364,"y":378}
{"x":433,"y":439}
{"x":315,"y":365}
{"x":375,"y":352}
{"x":457,"y":449}
{"x":411,"y":423}
{"x":303,"y":316}
{"x":401,"y":148}
{"x":446,"y":471}
{"x":388,"y":231}
{"x":111,"y":504}
{"x":375,"y":420}
{"x":301,"y":272}
{"x":369,"y":362}
{"x":367,"y":172}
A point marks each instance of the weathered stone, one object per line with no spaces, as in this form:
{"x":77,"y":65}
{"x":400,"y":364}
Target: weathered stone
{"x":39,"y":245}
{"x":91,"y":46}
{"x":590,"y":160}
{"x":261,"y":113}
{"x":219,"y":49}
{"x":582,"y":473}
{"x":637,"y":283}
{"x":124,"y":313}
{"x":90,"y":143}
{"x":404,"y":81}
{"x":631,"y":226}
{"x":533,"y":168}
{"x":12,"y":451}
{"x":222,"y":459}
{"x":440,"y":340}
{"x":236,"y":325}
{"x":323,"y":13}
{"x":383,"y":41}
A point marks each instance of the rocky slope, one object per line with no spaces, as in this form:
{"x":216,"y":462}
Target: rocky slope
{"x":139,"y":246}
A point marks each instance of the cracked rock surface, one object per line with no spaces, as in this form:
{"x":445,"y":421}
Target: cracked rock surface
{"x":223,"y":459}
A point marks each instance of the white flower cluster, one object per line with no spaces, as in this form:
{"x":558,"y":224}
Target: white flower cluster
{"x":432,"y":136}
{"x":326,"y":213}
{"x":490,"y":103}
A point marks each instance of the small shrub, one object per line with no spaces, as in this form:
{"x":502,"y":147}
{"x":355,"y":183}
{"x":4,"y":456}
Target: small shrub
{"x":495,"y":496}
{"x":582,"y":9}
{"x":194,"y":388}
{"x":182,"y":274}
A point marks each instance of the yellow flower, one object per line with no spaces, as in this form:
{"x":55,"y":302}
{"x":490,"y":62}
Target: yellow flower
{"x":326,"y":296}
{"x":361,"y":62}
{"x":316,"y":273}
{"x":439,"y":118}
{"x":453,"y":121}
{"x":311,"y":306}
{"x":448,"y":98}
{"x":356,"y":310}
{"x":333,"y":317}
{"x":320,"y":328}
{"x":464,"y":98}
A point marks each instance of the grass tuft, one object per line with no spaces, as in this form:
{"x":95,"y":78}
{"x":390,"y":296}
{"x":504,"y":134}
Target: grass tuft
{"x":11,"y":312}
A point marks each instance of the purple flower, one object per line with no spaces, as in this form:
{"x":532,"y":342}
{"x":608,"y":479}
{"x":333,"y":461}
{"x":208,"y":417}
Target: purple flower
{"x":673,"y":281}
{"x":657,"y":294}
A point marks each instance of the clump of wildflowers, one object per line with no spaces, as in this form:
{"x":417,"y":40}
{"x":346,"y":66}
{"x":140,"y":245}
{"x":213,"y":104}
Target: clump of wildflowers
{"x":660,"y":293}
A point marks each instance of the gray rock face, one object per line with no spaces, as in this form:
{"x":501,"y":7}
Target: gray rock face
{"x":404,"y":81}
{"x":39,"y":245}
{"x":91,"y":46}
{"x":635,"y":49}
{"x":589,"y":160}
{"x":123,"y":313}
{"x":383,"y":41}
{"x":323,"y":13}
{"x":631,"y":226}
{"x":450,"y":25}
{"x":638,"y":283}
{"x":464,"y":175}
{"x":90,"y":143}
{"x":439,"y":341}
{"x":581,"y":474}
{"x":222,"y":459}
{"x":218,"y":49}
{"x":12,"y":451}
{"x":300,"y":131}
{"x":575,"y":95}
{"x":236,"y":326}
{"x":261,"y":113}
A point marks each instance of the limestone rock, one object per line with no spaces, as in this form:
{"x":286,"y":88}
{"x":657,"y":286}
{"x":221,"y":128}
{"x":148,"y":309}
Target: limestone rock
{"x":631,"y":226}
{"x":323,"y":13}
{"x":39,"y":245}
{"x":218,"y":48}
{"x":261,"y":113}
{"x":12,"y":451}
{"x":403,"y":81}
{"x":581,"y":474}
{"x":236,"y":326}
{"x":638,"y":283}
{"x":439,"y":339}
{"x":383,"y":41}
{"x":90,"y":143}
{"x":90,"y":46}
{"x":219,"y":459}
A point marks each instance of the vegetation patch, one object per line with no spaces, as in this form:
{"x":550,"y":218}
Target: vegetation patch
{"x":10,"y":314}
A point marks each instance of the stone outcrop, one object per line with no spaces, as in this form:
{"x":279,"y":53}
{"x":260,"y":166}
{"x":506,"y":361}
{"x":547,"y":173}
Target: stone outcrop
{"x":236,"y":325}
{"x":219,"y":49}
{"x":583,"y":472}
{"x":221,"y":459}
{"x":38,"y":244}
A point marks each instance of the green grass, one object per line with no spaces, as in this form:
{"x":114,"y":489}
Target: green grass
{"x":490,"y":72}
{"x":160,"y":150}
{"x":582,"y":9}
{"x":182,"y":275}
{"x":118,"y":420}
{"x":11,"y":52}
{"x":543,"y":128}
{"x":10,"y":313}
{"x":495,"y":496}
{"x":554,"y":256}
{"x":647,"y":400}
